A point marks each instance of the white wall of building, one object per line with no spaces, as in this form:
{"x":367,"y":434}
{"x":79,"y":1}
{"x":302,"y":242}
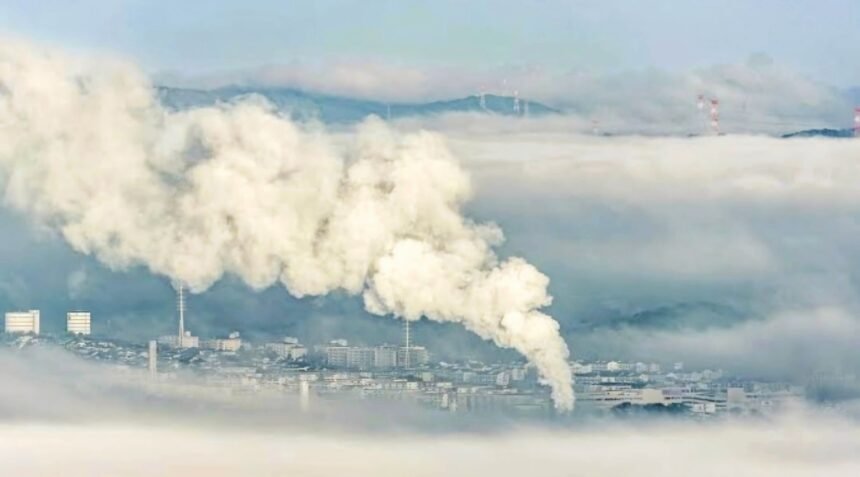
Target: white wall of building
{"x":78,"y":323}
{"x":22,"y":322}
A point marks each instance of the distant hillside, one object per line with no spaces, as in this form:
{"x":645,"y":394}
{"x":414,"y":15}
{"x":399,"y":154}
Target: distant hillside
{"x":335,"y":109}
{"x":681,"y":316}
{"x":835,"y":133}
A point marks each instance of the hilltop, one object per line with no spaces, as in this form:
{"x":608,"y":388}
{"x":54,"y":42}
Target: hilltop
{"x":338,"y":109}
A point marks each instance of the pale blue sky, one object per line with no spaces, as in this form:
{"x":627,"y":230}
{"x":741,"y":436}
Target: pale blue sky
{"x":817,"y":37}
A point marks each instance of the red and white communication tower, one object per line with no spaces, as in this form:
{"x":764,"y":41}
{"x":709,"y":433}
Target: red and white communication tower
{"x":715,"y":116}
{"x":857,"y":121}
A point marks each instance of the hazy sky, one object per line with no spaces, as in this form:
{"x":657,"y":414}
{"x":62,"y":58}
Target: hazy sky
{"x":817,"y":37}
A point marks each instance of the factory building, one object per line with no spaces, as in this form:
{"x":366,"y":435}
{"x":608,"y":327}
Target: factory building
{"x":22,"y":322}
{"x":78,"y":323}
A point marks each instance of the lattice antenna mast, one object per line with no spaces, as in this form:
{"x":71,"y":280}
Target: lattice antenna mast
{"x":407,"y":343}
{"x":715,"y":116}
{"x":180,"y":306}
{"x":857,"y":121}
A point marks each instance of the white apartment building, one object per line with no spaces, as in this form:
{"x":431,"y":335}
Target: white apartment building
{"x":385,"y":357}
{"x":22,"y":322}
{"x":336,"y":356}
{"x":360,"y":357}
{"x":414,"y":356}
{"x":78,"y":323}
{"x":380,"y":357}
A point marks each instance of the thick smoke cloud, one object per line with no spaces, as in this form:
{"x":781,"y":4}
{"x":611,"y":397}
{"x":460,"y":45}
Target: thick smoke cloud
{"x":236,"y":189}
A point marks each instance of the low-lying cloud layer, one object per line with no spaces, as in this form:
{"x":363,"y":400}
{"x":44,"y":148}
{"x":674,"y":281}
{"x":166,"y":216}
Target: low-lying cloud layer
{"x":757,"y":95}
{"x":803,"y":447}
{"x":765,"y":227}
{"x":56,"y":417}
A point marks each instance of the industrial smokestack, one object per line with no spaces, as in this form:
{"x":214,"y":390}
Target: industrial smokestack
{"x":407,"y":343}
{"x":304,"y":395}
{"x":238,"y":189}
{"x":153,"y":358}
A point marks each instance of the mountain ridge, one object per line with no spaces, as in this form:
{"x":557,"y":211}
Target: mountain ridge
{"x":305,"y":105}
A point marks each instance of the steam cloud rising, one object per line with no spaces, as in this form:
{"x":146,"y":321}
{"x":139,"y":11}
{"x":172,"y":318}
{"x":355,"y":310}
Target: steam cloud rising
{"x":195,"y":195}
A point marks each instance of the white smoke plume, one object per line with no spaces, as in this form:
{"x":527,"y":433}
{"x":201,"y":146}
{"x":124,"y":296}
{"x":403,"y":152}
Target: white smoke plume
{"x":237,"y":189}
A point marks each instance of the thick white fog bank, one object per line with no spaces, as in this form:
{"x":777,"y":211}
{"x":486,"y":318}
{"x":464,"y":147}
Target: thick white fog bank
{"x":718,"y":205}
{"x":728,"y":207}
{"x":798,"y":446}
{"x":648,"y":169}
{"x":63,"y":416}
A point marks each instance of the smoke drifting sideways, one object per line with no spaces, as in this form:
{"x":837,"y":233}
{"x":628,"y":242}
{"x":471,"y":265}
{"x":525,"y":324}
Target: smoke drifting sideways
{"x":86,"y":149}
